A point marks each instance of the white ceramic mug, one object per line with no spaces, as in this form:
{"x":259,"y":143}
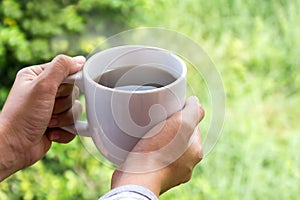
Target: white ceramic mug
{"x":118,"y":118}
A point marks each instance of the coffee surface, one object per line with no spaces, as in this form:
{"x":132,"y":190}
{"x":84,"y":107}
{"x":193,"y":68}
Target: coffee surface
{"x":135,"y":78}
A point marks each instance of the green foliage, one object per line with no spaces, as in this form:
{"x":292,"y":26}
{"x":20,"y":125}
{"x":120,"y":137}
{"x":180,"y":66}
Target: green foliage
{"x":255,"y":46}
{"x":67,"y":172}
{"x":34,"y":32}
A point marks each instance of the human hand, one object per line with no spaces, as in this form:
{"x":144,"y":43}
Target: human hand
{"x":37,"y":104}
{"x":166,"y":157}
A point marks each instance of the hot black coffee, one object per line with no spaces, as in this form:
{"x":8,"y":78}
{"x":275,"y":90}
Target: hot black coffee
{"x":135,"y":78}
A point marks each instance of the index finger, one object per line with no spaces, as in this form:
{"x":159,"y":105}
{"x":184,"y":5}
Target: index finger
{"x":60,"y":67}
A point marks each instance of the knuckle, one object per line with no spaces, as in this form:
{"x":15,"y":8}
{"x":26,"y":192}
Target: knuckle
{"x":201,"y":112}
{"x":61,"y":61}
{"x":22,"y":72}
{"x":60,"y":58}
{"x":188,"y":176}
{"x":197,"y":151}
{"x":199,"y":155}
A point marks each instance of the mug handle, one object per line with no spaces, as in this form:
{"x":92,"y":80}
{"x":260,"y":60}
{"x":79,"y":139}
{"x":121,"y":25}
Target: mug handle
{"x":80,"y":128}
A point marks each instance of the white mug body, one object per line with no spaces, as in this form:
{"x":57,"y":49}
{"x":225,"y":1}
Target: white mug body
{"x":116,"y":118}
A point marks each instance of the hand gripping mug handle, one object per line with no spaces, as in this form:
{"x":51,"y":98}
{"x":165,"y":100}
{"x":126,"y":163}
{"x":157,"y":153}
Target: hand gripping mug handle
{"x":80,"y":128}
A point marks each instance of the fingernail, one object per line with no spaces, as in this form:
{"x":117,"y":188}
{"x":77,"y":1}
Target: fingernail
{"x":53,"y":122}
{"x":79,"y":59}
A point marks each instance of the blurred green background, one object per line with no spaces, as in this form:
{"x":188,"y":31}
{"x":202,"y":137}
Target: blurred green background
{"x":254,"y":45}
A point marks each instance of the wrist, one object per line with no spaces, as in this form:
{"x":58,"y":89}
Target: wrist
{"x":8,"y":156}
{"x":150,"y":180}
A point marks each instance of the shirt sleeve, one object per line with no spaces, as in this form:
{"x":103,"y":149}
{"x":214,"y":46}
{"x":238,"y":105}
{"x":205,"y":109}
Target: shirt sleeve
{"x":129,"y":192}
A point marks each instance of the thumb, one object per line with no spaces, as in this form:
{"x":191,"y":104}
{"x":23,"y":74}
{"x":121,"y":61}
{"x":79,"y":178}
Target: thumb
{"x":193,"y":112}
{"x":61,"y":67}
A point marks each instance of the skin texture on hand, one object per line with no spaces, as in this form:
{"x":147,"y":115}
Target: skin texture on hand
{"x":36,"y":106}
{"x":163,"y":169}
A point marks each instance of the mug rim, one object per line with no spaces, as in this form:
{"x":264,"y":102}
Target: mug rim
{"x":179,"y":79}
